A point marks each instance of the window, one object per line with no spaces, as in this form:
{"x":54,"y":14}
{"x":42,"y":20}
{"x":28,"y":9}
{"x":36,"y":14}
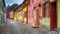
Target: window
{"x":32,"y":1}
{"x":29,"y":14}
{"x":37,"y":6}
{"x":29,"y":2}
{"x":46,"y":9}
{"x":25,"y":14}
{"x":54,"y":6}
{"x":32,"y":13}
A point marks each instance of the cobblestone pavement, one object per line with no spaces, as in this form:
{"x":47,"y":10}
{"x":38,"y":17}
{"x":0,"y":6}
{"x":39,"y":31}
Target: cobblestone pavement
{"x":12,"y":27}
{"x":9,"y":28}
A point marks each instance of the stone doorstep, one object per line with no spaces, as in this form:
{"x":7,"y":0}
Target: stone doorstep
{"x":53,"y":32}
{"x":59,"y":32}
{"x":35,"y":29}
{"x":27,"y":26}
{"x":31,"y":28}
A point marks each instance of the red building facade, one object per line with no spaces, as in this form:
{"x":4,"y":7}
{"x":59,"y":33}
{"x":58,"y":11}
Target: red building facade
{"x":10,"y":15}
{"x":50,"y":10}
{"x":37,"y":9}
{"x":35,"y":13}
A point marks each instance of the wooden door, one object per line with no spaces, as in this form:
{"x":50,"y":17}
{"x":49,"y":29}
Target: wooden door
{"x":53,"y":16}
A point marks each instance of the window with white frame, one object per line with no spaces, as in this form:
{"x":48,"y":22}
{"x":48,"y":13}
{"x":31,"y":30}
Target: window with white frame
{"x":32,"y":13}
{"x":46,"y":9}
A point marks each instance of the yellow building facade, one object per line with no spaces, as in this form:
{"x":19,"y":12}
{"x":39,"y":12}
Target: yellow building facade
{"x":23,"y":8}
{"x":16,"y":16}
{"x":24,"y":15}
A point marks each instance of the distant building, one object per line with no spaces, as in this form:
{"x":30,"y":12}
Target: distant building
{"x":9,"y":11}
{"x":20,"y":12}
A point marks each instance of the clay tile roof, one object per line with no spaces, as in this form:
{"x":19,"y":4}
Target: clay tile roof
{"x":20,"y":6}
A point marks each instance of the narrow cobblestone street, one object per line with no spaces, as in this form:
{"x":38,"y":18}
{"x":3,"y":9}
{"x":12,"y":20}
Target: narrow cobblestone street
{"x":12,"y":27}
{"x":29,"y":16}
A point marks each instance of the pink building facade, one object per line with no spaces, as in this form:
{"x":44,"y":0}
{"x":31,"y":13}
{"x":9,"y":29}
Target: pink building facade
{"x":10,"y":15}
{"x":35,"y":13}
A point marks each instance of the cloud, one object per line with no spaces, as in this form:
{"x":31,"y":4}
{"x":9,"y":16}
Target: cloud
{"x":10,"y":2}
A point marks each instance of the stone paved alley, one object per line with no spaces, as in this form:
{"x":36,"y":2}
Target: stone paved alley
{"x":12,"y":27}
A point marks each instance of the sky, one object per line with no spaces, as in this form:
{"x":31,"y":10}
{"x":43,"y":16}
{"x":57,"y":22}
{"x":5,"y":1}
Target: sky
{"x":10,"y":2}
